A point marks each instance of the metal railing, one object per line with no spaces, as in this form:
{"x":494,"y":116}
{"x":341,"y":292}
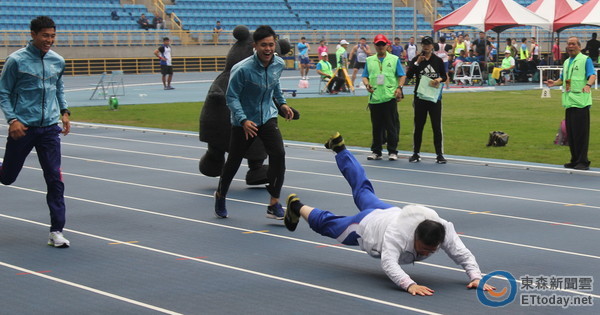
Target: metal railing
{"x":141,"y":65}
{"x":12,"y":38}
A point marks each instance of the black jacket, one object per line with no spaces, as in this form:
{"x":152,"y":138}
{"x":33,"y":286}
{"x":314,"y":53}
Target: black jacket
{"x":432,"y":68}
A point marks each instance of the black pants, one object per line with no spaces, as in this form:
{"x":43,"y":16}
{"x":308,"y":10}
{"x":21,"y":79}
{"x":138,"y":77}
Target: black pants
{"x":386,"y":126}
{"x":46,"y":142}
{"x":271,"y":137}
{"x":422,"y":108}
{"x":337,"y":82}
{"x":578,"y":133}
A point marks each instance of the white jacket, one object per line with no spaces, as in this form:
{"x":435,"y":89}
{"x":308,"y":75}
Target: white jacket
{"x":389,"y":234}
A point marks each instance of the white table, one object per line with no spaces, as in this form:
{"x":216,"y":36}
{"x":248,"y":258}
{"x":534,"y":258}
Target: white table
{"x":545,"y":68}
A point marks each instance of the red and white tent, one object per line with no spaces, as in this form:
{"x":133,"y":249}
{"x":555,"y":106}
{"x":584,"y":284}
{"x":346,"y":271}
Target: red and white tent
{"x":552,"y":10}
{"x":496,"y":15}
{"x":587,"y":14}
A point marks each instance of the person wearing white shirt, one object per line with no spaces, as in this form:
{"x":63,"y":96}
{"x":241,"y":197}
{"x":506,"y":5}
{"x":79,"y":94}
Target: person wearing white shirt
{"x":395,"y":235}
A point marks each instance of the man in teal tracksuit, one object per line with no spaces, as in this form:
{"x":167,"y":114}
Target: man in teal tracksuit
{"x":577,"y":78}
{"x":33,"y":102}
{"x":253,"y":84}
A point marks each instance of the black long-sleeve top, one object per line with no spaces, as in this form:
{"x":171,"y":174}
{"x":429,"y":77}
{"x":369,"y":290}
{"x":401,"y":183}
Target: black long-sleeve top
{"x":432,"y":68}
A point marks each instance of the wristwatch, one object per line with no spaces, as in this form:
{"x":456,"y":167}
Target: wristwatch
{"x":589,"y":85}
{"x":65,"y":111}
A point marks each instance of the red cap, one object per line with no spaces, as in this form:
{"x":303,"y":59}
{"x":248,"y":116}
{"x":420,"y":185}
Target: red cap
{"x":380,"y":38}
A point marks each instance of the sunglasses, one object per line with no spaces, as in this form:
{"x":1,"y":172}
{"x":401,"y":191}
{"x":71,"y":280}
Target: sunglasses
{"x":380,"y":44}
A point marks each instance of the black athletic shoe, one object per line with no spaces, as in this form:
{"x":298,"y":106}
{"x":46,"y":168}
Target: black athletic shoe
{"x":414,"y":158}
{"x":292,"y":212}
{"x":570,"y":165}
{"x":220,"y":209}
{"x":581,"y":167}
{"x":335,"y":143}
{"x":440,"y":159}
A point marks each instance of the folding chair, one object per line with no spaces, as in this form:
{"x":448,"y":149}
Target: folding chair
{"x":323,"y":87}
{"x":100,"y":85}
{"x":116,"y":83}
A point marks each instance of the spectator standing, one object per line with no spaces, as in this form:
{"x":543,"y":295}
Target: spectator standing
{"x":358,"y":55}
{"x":534,"y":52}
{"x":33,"y":101}
{"x":216,"y":32}
{"x":516,"y":45}
{"x":441,"y":50}
{"x":254,"y":114}
{"x":341,"y":55}
{"x":322,"y":48}
{"x":511,"y":48}
{"x":459,"y":45}
{"x":396,"y":49}
{"x":383,"y":76}
{"x":427,"y":64}
{"x":591,"y":48}
{"x":410,"y":49}
{"x":467,"y":41}
{"x":303,"y":49}
{"x":482,"y":47}
{"x":166,"y":63}
{"x":493,"y":49}
{"x":556,"y":53}
{"x":576,"y":79}
{"x":523,"y":57}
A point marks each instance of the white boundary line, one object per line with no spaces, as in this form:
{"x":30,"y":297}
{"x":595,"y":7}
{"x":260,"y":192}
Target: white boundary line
{"x":372,"y":180}
{"x":201,"y":146}
{"x":83,"y":287}
{"x":312,"y":146}
{"x":208,"y":262}
{"x":253,"y":203}
{"x":271,"y":235}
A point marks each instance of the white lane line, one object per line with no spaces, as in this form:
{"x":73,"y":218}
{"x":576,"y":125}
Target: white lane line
{"x":208,"y":262}
{"x":203,"y":147}
{"x":531,"y":246}
{"x":84,"y":287}
{"x":372,"y":180}
{"x":261,"y":204}
{"x":267,"y":234}
{"x":330,"y":192}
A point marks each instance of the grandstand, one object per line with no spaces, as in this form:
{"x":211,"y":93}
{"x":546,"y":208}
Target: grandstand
{"x":86,"y":25}
{"x":73,"y":15}
{"x":296,"y":14}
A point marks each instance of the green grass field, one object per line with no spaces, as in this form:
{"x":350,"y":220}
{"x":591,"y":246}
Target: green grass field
{"x":531,"y":122}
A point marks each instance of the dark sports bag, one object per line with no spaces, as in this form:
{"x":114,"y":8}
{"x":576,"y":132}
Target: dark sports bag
{"x":497,"y":139}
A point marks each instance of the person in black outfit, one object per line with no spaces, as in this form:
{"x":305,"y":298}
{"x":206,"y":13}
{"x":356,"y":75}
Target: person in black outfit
{"x":591,"y":48}
{"x":429,"y":65}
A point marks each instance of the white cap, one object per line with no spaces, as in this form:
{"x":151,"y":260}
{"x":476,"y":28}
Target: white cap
{"x":324,"y":54}
{"x":344,"y":42}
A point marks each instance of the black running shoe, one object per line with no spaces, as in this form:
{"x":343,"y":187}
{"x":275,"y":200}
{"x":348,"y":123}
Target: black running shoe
{"x":292,"y":214}
{"x":335,"y":143}
{"x":414,"y":158}
{"x":440,"y":159}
